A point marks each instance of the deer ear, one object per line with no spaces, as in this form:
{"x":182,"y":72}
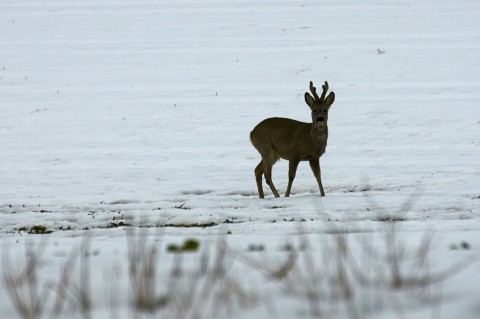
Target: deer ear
{"x":309,"y":99}
{"x":330,"y":99}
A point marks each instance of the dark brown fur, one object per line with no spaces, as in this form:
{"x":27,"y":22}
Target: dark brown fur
{"x":295,"y":141}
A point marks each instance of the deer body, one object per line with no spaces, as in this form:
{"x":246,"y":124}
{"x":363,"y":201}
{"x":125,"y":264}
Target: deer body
{"x":292,"y":140}
{"x":289,"y":139}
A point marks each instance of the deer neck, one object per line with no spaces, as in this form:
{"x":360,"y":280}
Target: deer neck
{"x":319,"y":133}
{"x":319,"y":137}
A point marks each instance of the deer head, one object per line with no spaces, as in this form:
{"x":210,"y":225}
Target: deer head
{"x":319,"y":105}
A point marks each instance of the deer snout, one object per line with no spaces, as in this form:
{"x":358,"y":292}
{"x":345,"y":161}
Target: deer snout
{"x":320,"y":119}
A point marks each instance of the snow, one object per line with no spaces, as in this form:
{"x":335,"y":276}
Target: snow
{"x":140,"y":112}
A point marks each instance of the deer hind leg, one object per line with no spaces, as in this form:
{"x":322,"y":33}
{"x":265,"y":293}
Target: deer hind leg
{"x":267,"y":169}
{"x":315,"y":165}
{"x":258,"y":178}
{"x":292,"y":171}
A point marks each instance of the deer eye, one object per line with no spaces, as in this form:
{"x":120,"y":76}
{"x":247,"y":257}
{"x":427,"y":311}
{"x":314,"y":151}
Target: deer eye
{"x":314,"y":111}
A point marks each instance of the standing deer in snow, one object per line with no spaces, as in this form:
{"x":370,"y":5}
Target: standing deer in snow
{"x":295,"y":141}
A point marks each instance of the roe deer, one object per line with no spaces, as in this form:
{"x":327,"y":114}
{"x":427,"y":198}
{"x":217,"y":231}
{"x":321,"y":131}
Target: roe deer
{"x":295,"y":141}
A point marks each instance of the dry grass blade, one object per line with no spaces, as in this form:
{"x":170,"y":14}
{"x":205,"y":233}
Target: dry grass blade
{"x":63,"y":286}
{"x":22,"y":286}
{"x":142,"y":260}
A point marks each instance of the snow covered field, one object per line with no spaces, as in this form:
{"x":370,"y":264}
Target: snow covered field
{"x":117,"y":115}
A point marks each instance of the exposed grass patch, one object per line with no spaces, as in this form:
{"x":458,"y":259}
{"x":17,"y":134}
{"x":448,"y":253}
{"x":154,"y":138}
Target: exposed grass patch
{"x":36,"y":229}
{"x":390,"y":218}
{"x":199,"y":225}
{"x":189,"y":245}
{"x":119,"y":217}
{"x":182,"y":206}
{"x":256,"y":247}
{"x":116,"y":225}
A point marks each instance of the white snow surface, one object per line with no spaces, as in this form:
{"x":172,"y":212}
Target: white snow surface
{"x":140,"y":112}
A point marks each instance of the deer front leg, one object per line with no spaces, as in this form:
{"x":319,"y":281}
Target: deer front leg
{"x":315,"y":165}
{"x":292,"y":170}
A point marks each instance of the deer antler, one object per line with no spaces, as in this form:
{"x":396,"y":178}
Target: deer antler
{"x":314,"y":91}
{"x":325,"y":89}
